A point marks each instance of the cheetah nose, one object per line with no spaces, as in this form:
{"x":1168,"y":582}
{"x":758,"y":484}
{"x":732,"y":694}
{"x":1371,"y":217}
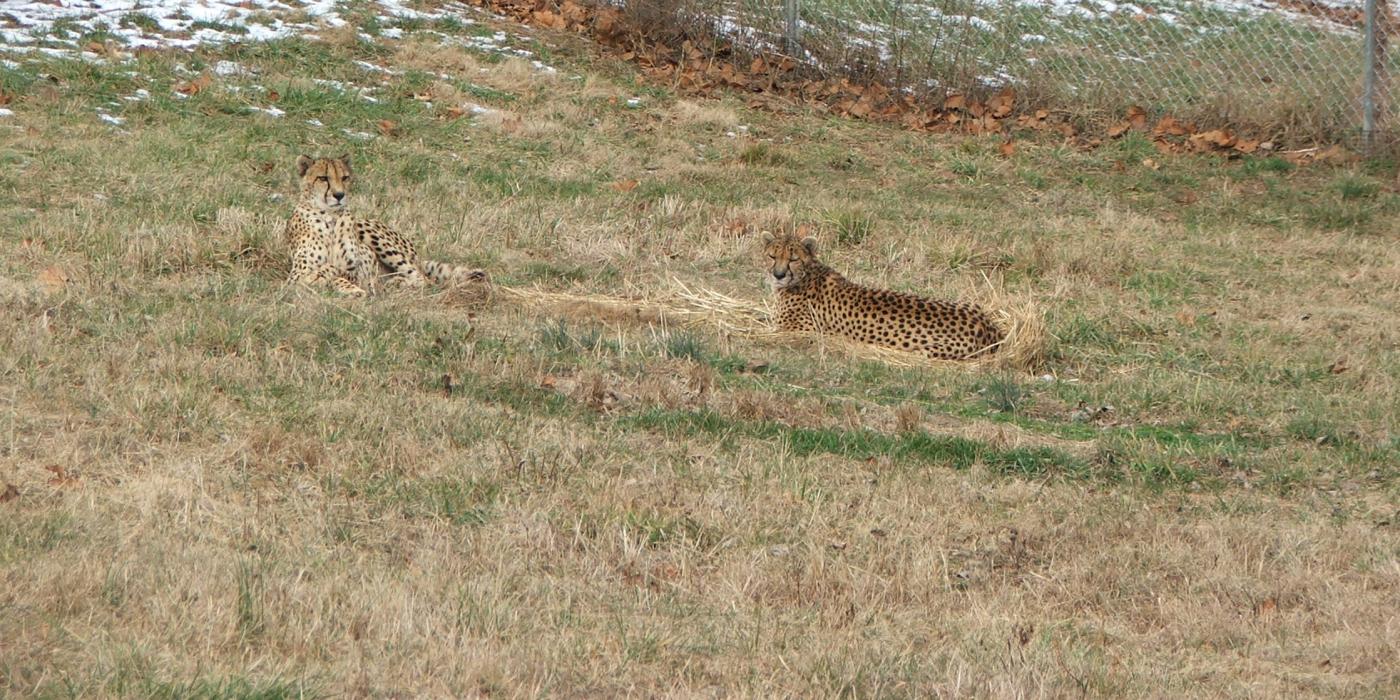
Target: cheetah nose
{"x":339,"y":196}
{"x":779,"y":274}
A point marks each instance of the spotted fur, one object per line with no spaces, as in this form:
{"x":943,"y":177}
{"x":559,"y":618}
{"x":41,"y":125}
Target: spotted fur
{"x":814,"y":298}
{"x":331,"y":246}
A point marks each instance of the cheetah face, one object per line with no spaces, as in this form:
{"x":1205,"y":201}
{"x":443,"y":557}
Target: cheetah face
{"x":325,"y":182}
{"x":788,"y":259}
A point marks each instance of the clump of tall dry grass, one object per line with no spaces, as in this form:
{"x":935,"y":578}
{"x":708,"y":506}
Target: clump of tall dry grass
{"x":1021,"y":320}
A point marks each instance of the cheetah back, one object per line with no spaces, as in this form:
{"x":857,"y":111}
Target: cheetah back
{"x":940,"y":329}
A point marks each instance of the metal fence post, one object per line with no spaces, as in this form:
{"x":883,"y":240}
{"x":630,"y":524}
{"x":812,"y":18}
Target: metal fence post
{"x":794,"y":26}
{"x":1368,"y":97}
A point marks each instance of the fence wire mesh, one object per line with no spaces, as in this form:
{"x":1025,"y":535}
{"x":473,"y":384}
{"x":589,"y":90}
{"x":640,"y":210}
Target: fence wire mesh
{"x":1297,"y":68}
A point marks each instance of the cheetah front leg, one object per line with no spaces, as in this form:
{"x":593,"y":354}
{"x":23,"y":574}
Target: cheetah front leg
{"x":360,"y":264}
{"x":395,"y":256}
{"x":311,"y":269}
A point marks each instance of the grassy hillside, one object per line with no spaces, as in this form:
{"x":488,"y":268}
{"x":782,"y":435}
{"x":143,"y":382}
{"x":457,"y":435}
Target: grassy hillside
{"x":224,"y":487}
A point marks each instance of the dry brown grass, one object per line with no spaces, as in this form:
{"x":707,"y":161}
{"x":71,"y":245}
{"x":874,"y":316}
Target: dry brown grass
{"x":606,"y":478}
{"x":1022,"y":347}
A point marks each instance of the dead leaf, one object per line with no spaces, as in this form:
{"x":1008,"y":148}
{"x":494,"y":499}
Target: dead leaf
{"x":573,"y":12}
{"x":1137,"y":118}
{"x":386,"y":127}
{"x":1008,"y":149}
{"x":1185,"y":318}
{"x":1001,"y":104}
{"x":545,"y":18}
{"x":1150,"y":164}
{"x":1267,"y":608}
{"x":61,"y":478}
{"x":6,"y":98}
{"x":625,"y":185}
{"x":10,"y":493}
{"x":955,"y":102}
{"x":1219,"y":138}
{"x":1118,"y":129}
{"x":1185,"y":197}
{"x":53,"y":279}
{"x":196,"y":86}
{"x":273,"y":96}
{"x":1169,"y":126}
{"x":1339,"y":366}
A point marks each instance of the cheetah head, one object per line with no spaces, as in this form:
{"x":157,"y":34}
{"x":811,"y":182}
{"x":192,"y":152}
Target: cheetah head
{"x":324,"y":181}
{"x":789,"y":259}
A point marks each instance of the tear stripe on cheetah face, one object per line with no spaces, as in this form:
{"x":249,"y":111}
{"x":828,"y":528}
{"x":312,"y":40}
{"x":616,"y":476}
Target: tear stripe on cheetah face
{"x":789,"y":260}
{"x":814,"y":298}
{"x":325,"y":182}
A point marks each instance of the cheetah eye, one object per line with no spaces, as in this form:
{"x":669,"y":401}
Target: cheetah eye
{"x":322,"y":178}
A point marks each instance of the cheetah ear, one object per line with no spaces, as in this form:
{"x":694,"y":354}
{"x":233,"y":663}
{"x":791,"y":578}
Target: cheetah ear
{"x":345,"y":160}
{"x":810,"y":244}
{"x":303,"y":164}
{"x":768,"y":237}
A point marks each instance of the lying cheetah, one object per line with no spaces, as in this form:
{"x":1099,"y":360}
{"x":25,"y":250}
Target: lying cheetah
{"x":813,"y":297}
{"x":330,"y":245}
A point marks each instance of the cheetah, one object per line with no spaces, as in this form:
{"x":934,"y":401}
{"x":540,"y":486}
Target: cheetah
{"x":329,"y":245}
{"x":815,"y":298}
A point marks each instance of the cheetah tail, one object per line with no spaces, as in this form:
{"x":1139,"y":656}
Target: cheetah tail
{"x":447,"y":273}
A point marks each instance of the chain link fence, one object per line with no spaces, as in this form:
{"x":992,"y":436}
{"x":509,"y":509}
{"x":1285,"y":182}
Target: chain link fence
{"x":1299,"y":70}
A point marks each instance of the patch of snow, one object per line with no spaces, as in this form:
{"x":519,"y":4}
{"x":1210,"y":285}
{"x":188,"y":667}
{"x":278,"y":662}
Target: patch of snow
{"x":314,"y":122}
{"x":979,"y":23}
{"x":187,"y":24}
{"x":270,"y":111}
{"x":227,"y":68}
{"x":358,"y":135}
{"x":6,"y":112}
{"x":373,"y":68}
{"x":114,"y":121}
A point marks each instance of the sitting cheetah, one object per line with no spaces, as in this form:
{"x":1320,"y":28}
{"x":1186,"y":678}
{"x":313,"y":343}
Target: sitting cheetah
{"x":330,"y":245}
{"x":814,"y":297}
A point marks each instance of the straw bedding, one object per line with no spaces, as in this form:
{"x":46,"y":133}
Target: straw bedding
{"x":1021,"y":320}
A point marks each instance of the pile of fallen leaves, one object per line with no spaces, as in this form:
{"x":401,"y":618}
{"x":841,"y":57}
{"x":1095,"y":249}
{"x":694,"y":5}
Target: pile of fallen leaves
{"x":771,"y":80}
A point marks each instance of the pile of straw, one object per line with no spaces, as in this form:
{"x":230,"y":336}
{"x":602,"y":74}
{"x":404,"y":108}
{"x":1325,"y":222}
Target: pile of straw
{"x":1021,"y":321}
